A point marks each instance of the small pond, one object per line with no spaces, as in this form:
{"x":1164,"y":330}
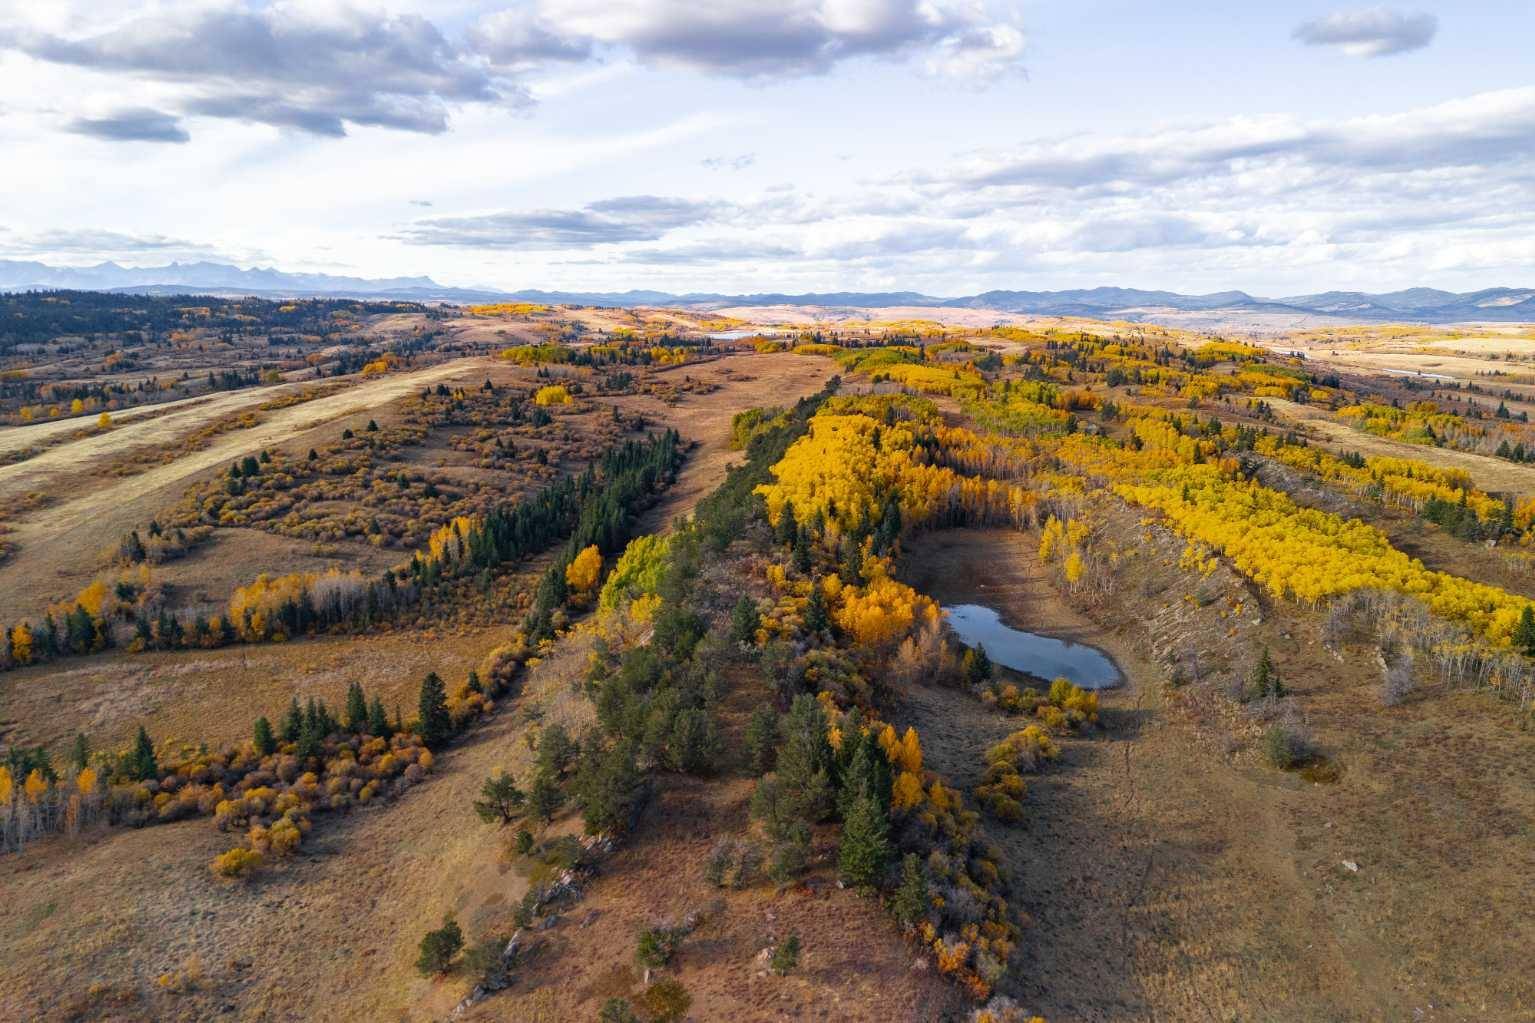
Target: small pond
{"x":1042,"y":656}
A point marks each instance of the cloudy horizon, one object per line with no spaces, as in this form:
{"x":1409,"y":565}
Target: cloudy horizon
{"x":946,"y":146}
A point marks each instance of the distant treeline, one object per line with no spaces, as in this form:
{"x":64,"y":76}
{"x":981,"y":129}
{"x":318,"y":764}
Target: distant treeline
{"x":30,"y":317}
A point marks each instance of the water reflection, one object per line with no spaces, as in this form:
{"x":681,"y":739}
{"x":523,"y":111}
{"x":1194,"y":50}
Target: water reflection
{"x":1042,"y":656}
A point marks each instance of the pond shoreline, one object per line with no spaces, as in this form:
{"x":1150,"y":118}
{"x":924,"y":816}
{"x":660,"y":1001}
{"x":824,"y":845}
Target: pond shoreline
{"x":1009,"y":647}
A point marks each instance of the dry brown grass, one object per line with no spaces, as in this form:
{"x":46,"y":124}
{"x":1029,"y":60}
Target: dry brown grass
{"x":1166,"y":880}
{"x":1490,"y":473}
{"x":59,"y":547}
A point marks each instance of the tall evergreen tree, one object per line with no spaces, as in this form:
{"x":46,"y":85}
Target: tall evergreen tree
{"x":141,"y":762}
{"x":605,"y":784}
{"x":292,"y":722}
{"x":436,"y":725}
{"x":378,"y":720}
{"x":865,"y":844}
{"x":817,"y":618}
{"x":801,"y":559}
{"x":80,"y":756}
{"x":1524,"y":632}
{"x":310,"y":737}
{"x":1265,"y":682}
{"x":911,"y":902}
{"x":762,"y":740}
{"x":867,"y":774}
{"x":545,"y":796}
{"x":356,"y":709}
{"x":262,"y":739}
{"x":744,"y":620}
{"x":788,"y":529}
{"x":805,"y":760}
{"x":978,"y":667}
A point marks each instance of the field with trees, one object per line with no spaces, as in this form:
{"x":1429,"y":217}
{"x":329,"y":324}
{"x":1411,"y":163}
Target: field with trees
{"x":550,"y":663}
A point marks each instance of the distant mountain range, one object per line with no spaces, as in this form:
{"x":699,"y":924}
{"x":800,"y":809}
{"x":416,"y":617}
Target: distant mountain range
{"x":206,"y":278}
{"x":1426,"y":305}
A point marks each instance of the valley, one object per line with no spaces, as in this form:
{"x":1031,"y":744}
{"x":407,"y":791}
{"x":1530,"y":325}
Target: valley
{"x":1292,"y":785}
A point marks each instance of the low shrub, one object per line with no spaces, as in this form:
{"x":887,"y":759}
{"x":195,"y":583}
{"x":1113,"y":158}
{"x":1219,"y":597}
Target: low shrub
{"x":657,"y":945}
{"x":238,"y":862}
{"x":786,"y":955}
{"x":1285,"y":746}
{"x":439,"y":947}
{"x":665,"y":1001}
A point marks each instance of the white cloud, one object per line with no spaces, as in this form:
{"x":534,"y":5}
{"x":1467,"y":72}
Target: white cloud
{"x":1372,"y":32}
{"x":1240,"y":195}
{"x":308,"y":67}
{"x":780,"y":38}
{"x":322,"y":68}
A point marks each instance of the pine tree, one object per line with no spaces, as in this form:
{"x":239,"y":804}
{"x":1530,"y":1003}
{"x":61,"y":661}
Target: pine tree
{"x":865,"y":843}
{"x":911,"y":903}
{"x":805,"y":760}
{"x":80,"y":757}
{"x":436,"y":725}
{"x":556,"y":750}
{"x":545,"y":797}
{"x":787,"y":530}
{"x":262,"y":738}
{"x":605,"y":784}
{"x":438,"y":948}
{"x":1524,"y":632}
{"x":356,"y":709}
{"x":141,"y":762}
{"x":1264,"y":680}
{"x":978,"y":669}
{"x":817,"y":618}
{"x":378,"y":720}
{"x":311,"y":736}
{"x":762,"y":740}
{"x":500,"y":801}
{"x":867,"y":774}
{"x":744,"y":620}
{"x":782,"y":815}
{"x":292,"y":722}
{"x":802,"y":561}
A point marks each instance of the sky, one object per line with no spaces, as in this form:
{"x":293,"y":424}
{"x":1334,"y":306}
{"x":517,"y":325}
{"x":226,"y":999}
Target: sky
{"x":942,"y":146}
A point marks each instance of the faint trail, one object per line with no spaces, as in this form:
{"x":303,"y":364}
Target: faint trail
{"x":19,"y":438}
{"x":52,"y":467}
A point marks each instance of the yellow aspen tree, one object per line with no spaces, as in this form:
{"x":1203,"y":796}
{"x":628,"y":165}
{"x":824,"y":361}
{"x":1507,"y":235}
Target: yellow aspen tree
{"x":584,"y":570}
{"x":21,"y":644}
{"x":906,"y":791}
{"x":911,"y":752}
